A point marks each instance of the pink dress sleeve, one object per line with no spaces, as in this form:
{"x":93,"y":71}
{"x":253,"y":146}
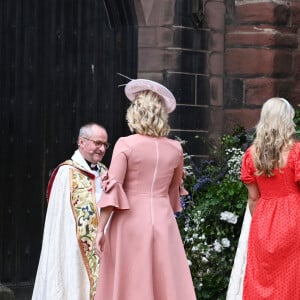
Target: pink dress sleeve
{"x":248,"y":169}
{"x":113,"y":193}
{"x":176,"y":188}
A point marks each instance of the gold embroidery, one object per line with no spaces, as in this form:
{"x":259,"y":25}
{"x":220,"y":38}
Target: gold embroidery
{"x":86,"y":216}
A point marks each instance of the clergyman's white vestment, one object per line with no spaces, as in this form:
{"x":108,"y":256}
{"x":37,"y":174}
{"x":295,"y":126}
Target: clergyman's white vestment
{"x":235,"y":288}
{"x":62,"y":272}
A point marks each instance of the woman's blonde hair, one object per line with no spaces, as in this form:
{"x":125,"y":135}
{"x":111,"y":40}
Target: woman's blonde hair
{"x":147,"y":115}
{"x":275,"y":131}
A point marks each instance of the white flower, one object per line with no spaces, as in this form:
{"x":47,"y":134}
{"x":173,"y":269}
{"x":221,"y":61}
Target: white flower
{"x":225,"y":242}
{"x":217,"y":246}
{"x":189,"y":262}
{"x":229,"y":217}
{"x":204,"y":259}
{"x":234,"y":162}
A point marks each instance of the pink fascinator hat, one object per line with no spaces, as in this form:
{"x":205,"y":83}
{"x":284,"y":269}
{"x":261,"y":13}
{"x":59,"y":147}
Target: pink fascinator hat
{"x":139,"y":85}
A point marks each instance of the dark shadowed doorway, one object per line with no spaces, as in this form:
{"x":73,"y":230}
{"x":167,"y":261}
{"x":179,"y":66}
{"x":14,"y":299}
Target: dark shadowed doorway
{"x":59,"y":65}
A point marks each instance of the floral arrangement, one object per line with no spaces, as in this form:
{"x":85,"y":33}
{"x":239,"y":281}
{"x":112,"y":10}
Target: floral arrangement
{"x":213,"y":213}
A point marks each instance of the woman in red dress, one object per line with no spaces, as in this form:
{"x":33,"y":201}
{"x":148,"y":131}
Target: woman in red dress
{"x":271,"y":172}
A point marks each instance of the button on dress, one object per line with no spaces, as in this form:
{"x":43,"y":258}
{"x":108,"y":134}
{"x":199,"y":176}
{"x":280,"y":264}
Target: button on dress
{"x":273,"y":259}
{"x":143,"y":257}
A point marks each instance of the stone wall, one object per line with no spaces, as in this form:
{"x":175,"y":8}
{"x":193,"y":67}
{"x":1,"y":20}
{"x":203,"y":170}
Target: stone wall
{"x":221,"y":58}
{"x":262,"y":58}
{"x":181,"y":44}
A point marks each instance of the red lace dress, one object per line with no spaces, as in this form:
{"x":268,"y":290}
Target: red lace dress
{"x":273,"y":259}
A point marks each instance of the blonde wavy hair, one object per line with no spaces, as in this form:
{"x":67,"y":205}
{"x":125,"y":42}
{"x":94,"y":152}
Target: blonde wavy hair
{"x":275,"y":132}
{"x":147,"y":115}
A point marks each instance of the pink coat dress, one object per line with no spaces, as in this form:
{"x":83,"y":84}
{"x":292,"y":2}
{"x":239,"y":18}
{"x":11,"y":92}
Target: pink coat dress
{"x":144,"y":258}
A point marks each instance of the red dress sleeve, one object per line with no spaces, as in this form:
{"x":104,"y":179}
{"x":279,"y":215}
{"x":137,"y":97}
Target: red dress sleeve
{"x":248,"y":169}
{"x":297,"y":162}
{"x":112,"y":182}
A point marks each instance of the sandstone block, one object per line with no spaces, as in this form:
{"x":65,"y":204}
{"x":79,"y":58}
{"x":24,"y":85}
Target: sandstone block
{"x":155,"y":37}
{"x":296,"y":64}
{"x":258,"y":90}
{"x":216,"y":63}
{"x":258,"y":62}
{"x":216,"y":91}
{"x":240,"y":117}
{"x":262,"y":12}
{"x":264,"y":37}
{"x":155,"y":59}
{"x":295,"y":13}
{"x":214,"y":14}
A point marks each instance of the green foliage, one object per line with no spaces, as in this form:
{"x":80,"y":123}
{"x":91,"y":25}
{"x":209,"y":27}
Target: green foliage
{"x":213,"y":212}
{"x":297,"y":122}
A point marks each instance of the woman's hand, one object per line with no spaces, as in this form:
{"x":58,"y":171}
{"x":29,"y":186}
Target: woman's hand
{"x":99,"y":243}
{"x":100,"y":237}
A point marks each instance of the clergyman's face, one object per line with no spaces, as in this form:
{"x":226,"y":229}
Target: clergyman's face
{"x":93,"y":146}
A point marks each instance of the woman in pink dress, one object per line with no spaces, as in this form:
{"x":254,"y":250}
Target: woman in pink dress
{"x":271,"y":171}
{"x":142,"y":255}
